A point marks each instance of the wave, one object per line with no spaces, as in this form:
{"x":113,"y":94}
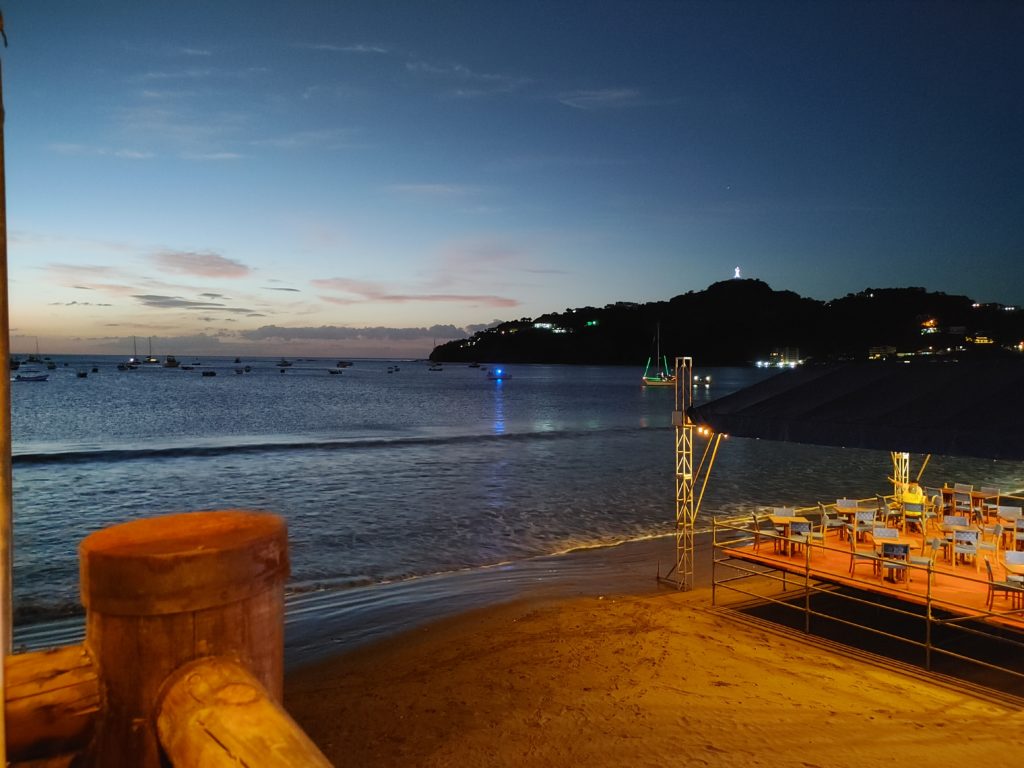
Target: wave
{"x":109,"y":455}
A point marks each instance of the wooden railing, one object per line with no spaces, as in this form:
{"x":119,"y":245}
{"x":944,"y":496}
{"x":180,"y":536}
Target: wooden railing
{"x":183,"y":654}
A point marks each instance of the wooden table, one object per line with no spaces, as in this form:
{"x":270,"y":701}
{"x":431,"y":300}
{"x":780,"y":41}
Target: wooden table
{"x":785,"y":522}
{"x":977,"y":500}
{"x":955,"y":529}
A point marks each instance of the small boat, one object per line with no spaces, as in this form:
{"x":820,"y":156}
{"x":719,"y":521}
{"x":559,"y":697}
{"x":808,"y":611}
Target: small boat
{"x":282,"y":363}
{"x":239,"y":370}
{"x":343,"y":364}
{"x":82,"y":374}
{"x":435,"y":367}
{"x":335,"y":371}
{"x":32,"y":377}
{"x":15,"y":363}
{"x":208,"y":373}
{"x":247,"y":368}
{"x":498,"y":374}
{"x":474,"y":365}
{"x":188,"y":368}
{"x":238,"y":360}
{"x":662,"y":377}
{"x":171,"y":362}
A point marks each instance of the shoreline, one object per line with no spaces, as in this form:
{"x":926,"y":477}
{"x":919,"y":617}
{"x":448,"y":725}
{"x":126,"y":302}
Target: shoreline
{"x":566,"y":674}
{"x":320,"y":625}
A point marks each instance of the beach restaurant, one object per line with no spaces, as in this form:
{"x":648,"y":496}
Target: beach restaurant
{"x":932,"y":572}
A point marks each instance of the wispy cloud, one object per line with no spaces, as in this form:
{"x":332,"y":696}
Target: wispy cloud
{"x":466,"y":82}
{"x":361,"y":291}
{"x":82,"y":150}
{"x":176,"y":302}
{"x":349,"y":48}
{"x":322,"y":139}
{"x":433,"y":190}
{"x":271,"y":288}
{"x":78,"y":304}
{"x":199,"y":264}
{"x":604,"y":98}
{"x":211,"y":156}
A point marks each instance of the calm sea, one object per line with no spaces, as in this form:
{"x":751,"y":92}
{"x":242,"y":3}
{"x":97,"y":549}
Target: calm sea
{"x":386,"y":476}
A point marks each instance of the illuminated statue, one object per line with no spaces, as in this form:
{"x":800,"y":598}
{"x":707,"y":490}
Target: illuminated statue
{"x":736,"y":274}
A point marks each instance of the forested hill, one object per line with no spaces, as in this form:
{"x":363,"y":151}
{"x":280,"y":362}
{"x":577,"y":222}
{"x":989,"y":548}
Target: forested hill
{"x":738,"y":321}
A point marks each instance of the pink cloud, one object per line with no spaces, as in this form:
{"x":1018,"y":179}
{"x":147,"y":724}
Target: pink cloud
{"x":201,"y":264}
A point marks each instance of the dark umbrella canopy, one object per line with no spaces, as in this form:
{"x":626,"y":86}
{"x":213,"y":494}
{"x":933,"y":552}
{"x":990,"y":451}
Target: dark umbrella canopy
{"x":973,"y":408}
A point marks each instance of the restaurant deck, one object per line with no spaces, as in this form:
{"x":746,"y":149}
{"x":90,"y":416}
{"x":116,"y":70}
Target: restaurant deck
{"x":936,"y":616}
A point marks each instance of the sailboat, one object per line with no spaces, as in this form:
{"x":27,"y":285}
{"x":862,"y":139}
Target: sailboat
{"x":661,"y":376}
{"x":149,"y":359}
{"x":132,"y":362}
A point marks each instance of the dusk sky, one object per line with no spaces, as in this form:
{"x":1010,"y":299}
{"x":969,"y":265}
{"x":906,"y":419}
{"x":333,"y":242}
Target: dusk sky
{"x":366,"y":178}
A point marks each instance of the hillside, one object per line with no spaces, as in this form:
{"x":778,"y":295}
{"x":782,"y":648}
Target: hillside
{"x":736,"y":322}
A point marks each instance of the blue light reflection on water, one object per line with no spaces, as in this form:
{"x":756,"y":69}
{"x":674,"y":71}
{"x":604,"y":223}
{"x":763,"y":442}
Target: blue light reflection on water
{"x":382,"y":477}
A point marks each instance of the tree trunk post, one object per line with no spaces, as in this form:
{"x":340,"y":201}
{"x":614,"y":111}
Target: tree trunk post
{"x":160,"y":592}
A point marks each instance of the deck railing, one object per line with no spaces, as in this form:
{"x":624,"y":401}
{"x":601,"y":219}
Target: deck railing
{"x":929,"y":626}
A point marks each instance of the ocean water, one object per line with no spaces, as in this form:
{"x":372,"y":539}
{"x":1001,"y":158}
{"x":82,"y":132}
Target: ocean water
{"x":387,"y":477}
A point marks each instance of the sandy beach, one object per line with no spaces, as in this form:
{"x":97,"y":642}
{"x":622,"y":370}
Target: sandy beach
{"x":575,"y":677}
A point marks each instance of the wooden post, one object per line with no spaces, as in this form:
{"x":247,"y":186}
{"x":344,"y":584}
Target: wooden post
{"x":215,"y":713}
{"x":163,"y":591}
{"x":52,"y":699}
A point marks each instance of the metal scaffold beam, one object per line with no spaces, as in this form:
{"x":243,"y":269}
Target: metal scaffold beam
{"x":690,"y":480}
{"x":685,"y":509}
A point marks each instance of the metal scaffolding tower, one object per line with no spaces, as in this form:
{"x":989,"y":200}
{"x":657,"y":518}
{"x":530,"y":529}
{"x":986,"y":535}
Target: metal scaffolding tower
{"x":689,"y":477}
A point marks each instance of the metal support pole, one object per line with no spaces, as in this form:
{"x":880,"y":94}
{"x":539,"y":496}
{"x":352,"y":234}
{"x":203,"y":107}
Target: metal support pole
{"x":6,"y":480}
{"x":685,"y":506}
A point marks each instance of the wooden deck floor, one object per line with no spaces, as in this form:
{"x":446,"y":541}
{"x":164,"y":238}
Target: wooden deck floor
{"x":960,"y":589}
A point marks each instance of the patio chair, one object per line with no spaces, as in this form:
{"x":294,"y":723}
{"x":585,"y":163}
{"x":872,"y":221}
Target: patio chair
{"x":762,"y":528}
{"x":913,"y":514}
{"x":830,"y":522}
{"x":800,"y":535}
{"x":1018,"y":533}
{"x":1009,"y":589}
{"x":862,"y":556}
{"x":935,"y":494}
{"x":962,"y":499}
{"x":930,"y":513}
{"x":965,"y":544}
{"x":925,"y":560}
{"x":991,"y":539}
{"x":863,"y":522}
{"x":885,"y":533}
{"x":894,"y":560}
{"x":887,"y":514}
{"x":989,"y":500}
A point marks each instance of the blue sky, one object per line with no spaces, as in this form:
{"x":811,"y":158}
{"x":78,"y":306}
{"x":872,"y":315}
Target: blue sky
{"x":367,"y":178}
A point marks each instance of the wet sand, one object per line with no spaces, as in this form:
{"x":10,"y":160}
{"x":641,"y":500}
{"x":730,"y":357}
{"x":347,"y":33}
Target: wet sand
{"x":568,"y":673}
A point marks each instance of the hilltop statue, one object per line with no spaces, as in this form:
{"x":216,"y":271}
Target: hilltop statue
{"x":736,"y":274}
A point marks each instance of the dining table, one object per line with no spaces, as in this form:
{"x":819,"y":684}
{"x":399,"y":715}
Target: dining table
{"x":978,"y":501}
{"x":785,"y":522}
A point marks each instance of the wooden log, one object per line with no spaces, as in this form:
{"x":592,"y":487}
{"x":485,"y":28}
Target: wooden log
{"x":52,"y":699}
{"x":215,"y":713}
{"x":163,"y":591}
